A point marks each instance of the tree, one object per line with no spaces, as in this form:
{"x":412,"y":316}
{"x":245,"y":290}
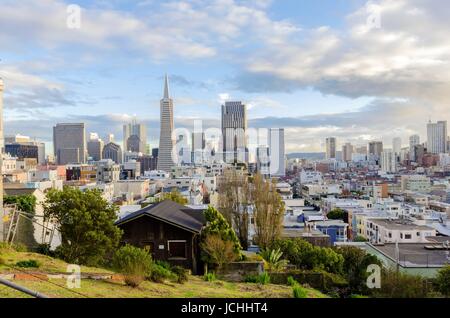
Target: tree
{"x":234,"y":202}
{"x":273,"y":259}
{"x":443,"y":281}
{"x":220,"y":251}
{"x":86,"y":223}
{"x":356,"y":262}
{"x":174,"y":196}
{"x":134,"y":263}
{"x":336,"y":214}
{"x":268,"y":210}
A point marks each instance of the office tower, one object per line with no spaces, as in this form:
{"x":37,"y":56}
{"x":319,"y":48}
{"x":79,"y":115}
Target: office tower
{"x":414,"y":140}
{"x":198,"y":147}
{"x":330,"y":148}
{"x":69,"y":143}
{"x":263,"y":160}
{"x":166,"y":142}
{"x":375,"y":148}
{"x":397,"y":145}
{"x":1,"y":160}
{"x":112,"y":151}
{"x":23,"y":147}
{"x":277,"y":152}
{"x":134,"y":137}
{"x":362,"y":150}
{"x":234,"y":128}
{"x":347,"y":152}
{"x":388,"y":160}
{"x":95,"y":147}
{"x":437,"y":137}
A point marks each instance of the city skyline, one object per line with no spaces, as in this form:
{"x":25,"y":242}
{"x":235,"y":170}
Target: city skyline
{"x":315,"y":88}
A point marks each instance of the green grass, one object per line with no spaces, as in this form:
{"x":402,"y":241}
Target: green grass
{"x":196,"y":287}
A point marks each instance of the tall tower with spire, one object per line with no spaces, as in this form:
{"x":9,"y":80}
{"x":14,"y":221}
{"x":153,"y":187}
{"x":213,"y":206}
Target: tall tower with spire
{"x":166,"y":142}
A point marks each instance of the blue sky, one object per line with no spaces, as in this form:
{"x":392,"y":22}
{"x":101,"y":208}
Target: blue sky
{"x":316,"y":68}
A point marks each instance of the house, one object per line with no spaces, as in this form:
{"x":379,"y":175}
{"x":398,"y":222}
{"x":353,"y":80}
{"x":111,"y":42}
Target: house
{"x":170,"y":231}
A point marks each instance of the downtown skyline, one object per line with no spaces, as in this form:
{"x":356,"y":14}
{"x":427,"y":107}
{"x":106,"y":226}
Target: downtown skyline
{"x":333,"y":77}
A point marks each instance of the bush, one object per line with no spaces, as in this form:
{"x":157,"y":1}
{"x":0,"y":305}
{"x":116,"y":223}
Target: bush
{"x":210,"y":277}
{"x":291,"y":281}
{"x":401,"y":285}
{"x":134,"y":263}
{"x":261,"y":279}
{"x":272,"y":259}
{"x":443,"y":281}
{"x":31,"y":263}
{"x":181,"y":273}
{"x":159,"y":274}
{"x":299,"y":292}
{"x":163,"y":264}
{"x":44,"y":249}
{"x":220,"y":252}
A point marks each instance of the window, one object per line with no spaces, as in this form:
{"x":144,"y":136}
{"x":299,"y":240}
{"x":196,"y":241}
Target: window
{"x":418,"y":233}
{"x":177,"y":249}
{"x":408,"y":236}
{"x":390,"y":235}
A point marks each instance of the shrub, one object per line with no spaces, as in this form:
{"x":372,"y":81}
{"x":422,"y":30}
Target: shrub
{"x":261,"y":279}
{"x":299,"y":292}
{"x":181,"y":273}
{"x":134,"y":263}
{"x":44,"y":249}
{"x":159,"y":274}
{"x":291,"y":281}
{"x":163,"y":264}
{"x":31,"y":263}
{"x":210,"y":277}
{"x":401,"y":285}
{"x":220,"y":251}
{"x":273,"y":260}
{"x":443,"y":281}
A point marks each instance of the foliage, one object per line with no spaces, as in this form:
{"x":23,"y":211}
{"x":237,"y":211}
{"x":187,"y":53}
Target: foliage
{"x":336,"y":214}
{"x":174,"y":196}
{"x":134,"y":263}
{"x":86,"y":223}
{"x":401,"y":285}
{"x":217,"y":225}
{"x":262,"y":279}
{"x":299,"y":292}
{"x":443,"y":281}
{"x":159,"y":274}
{"x":360,"y":239}
{"x":31,"y":263}
{"x":306,"y":256}
{"x":291,"y":281}
{"x":268,"y":210}
{"x":210,"y":277}
{"x":355,"y":265}
{"x":181,"y":273}
{"x":219,"y":251}
{"x":273,"y":260}
{"x":25,"y":203}
{"x":44,"y":249}
{"x":164,"y":264}
{"x":234,"y":201}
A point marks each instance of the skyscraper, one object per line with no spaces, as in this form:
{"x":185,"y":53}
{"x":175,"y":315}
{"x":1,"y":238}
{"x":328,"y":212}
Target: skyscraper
{"x":437,"y":137}
{"x":234,"y":127}
{"x":414,"y":140}
{"x":388,"y":161}
{"x":112,"y":151}
{"x":166,"y":142}
{"x":95,"y":147}
{"x":330,"y":148}
{"x":347,"y":151}
{"x":277,"y":152}
{"x":376,"y":148}
{"x":397,"y":145}
{"x":134,"y":137}
{"x":69,"y":143}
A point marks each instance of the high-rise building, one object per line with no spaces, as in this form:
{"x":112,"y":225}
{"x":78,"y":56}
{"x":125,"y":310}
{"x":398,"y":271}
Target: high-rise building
{"x":375,"y":148}
{"x":397,"y":145}
{"x":198,"y":147}
{"x":437,"y":137}
{"x":277,"y":152}
{"x":330,"y":148}
{"x":166,"y":141}
{"x":95,"y":147}
{"x":347,"y":152}
{"x":263,"y":160}
{"x":1,"y":160}
{"x":20,"y":146}
{"x":69,"y":143}
{"x":414,"y":140}
{"x":112,"y":151}
{"x":388,"y":161}
{"x":362,"y":150}
{"x":234,"y":128}
{"x":134,"y":137}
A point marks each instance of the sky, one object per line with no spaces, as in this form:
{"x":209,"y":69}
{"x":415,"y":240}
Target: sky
{"x":357,"y":70}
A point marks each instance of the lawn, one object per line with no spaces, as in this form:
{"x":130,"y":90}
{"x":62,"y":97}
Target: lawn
{"x":196,"y":287}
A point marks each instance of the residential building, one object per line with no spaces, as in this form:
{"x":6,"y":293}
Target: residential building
{"x":107,"y":171}
{"x":388,"y":161}
{"x":415,"y":183}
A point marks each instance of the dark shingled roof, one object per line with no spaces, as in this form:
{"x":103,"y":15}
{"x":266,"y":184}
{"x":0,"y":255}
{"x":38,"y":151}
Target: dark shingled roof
{"x":172,"y":213}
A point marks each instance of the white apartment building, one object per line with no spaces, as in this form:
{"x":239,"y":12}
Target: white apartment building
{"x":388,"y":161}
{"x":386,"y":231}
{"x":310,"y":176}
{"x":415,"y":183}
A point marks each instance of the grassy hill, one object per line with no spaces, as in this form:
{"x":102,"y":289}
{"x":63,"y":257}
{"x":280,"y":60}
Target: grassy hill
{"x":196,"y":287}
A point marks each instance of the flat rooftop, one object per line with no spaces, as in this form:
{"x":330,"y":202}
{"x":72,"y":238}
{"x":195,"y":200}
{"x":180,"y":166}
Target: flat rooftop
{"x":397,"y":225}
